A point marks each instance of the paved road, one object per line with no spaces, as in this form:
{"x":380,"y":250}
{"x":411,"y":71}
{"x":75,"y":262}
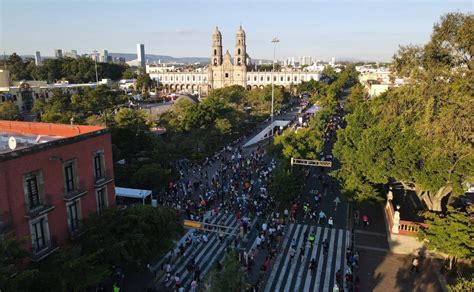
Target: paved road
{"x":294,"y":274}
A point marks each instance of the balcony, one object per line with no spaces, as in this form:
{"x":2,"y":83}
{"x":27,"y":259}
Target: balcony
{"x":36,"y":211}
{"x":39,"y":253}
{"x":103,"y":181}
{"x":72,"y":195}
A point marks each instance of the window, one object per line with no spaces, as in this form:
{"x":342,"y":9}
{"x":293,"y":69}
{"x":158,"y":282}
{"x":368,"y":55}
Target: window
{"x":101,"y":200}
{"x":32,"y":191}
{"x":274,"y":78}
{"x":215,"y":62}
{"x":194,"y":77}
{"x":261,"y":78}
{"x":281,"y":78}
{"x":268,"y":78}
{"x":215,"y":52}
{"x":226,"y":75}
{"x":69,"y":176}
{"x":296,"y":78}
{"x":255,"y":78}
{"x":38,"y":235}
{"x":288,"y":78}
{"x":239,"y":62}
{"x":238,"y":50}
{"x":73,"y":215}
{"x":99,"y":165}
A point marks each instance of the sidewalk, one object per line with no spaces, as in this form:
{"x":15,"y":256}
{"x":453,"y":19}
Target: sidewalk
{"x":381,"y":270}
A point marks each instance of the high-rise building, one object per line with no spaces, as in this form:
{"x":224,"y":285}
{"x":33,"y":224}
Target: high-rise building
{"x":306,"y":60}
{"x":333,"y":61}
{"x":58,"y":53}
{"x":141,"y":55}
{"x":104,"y":57}
{"x":95,"y":56}
{"x":38,"y":60}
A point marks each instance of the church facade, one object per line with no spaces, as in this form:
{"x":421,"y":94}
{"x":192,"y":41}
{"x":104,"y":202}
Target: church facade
{"x":225,"y":70}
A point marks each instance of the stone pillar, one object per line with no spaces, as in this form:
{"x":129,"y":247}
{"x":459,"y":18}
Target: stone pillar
{"x":396,"y":221}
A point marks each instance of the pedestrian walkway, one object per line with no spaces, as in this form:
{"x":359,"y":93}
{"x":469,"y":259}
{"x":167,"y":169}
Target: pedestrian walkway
{"x":295,"y":274}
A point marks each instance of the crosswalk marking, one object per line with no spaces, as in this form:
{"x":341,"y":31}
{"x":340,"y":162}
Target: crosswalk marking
{"x":301,"y":243}
{"x":330,"y":257}
{"x":205,"y":254}
{"x":321,"y":258}
{"x":296,"y":275}
{"x":288,"y":235}
{"x":287,"y":260}
{"x":307,"y":282}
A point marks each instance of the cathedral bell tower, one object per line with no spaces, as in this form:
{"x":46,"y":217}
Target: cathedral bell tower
{"x":240,"y":54}
{"x":216,"y":54}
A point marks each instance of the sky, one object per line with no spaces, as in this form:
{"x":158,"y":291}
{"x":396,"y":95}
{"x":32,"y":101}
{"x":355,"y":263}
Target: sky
{"x":357,"y":30}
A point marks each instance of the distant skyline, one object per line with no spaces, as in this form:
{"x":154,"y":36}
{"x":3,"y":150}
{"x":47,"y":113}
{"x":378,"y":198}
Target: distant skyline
{"x":362,"y":30}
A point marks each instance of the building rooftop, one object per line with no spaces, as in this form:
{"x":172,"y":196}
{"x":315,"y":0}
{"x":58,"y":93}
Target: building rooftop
{"x":17,"y":138}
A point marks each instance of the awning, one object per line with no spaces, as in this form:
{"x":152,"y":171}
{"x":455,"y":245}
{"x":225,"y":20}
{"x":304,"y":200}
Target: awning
{"x":132,"y":193}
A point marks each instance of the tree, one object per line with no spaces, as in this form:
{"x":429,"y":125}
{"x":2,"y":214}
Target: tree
{"x":462,"y":285}
{"x":131,"y":133}
{"x":129,"y":74}
{"x":144,"y":83}
{"x":229,"y":278}
{"x":133,"y":235}
{"x":9,"y":111}
{"x":12,"y":275}
{"x":417,"y":134}
{"x":153,"y":176}
{"x":450,"y":234}
{"x":356,"y":96}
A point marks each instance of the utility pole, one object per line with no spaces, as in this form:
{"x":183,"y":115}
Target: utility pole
{"x":274,"y":42}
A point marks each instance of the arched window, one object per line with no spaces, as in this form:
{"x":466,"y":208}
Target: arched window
{"x":239,"y":62}
{"x":215,"y":62}
{"x":215,"y":52}
{"x":238,"y":50}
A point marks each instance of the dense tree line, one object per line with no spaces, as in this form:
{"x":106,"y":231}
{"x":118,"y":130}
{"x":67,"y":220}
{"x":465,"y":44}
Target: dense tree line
{"x":419,"y":134}
{"x":80,"y":70}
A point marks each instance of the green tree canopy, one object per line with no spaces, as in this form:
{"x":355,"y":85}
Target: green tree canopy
{"x":229,"y":278}
{"x":9,"y":111}
{"x":419,"y":134}
{"x":450,"y":234}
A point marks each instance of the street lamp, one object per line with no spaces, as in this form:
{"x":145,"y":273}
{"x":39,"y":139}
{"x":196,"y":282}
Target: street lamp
{"x":274,"y":42}
{"x":95,"y":63}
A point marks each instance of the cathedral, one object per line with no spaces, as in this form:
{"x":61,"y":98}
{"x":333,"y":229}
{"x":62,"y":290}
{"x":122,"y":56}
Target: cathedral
{"x":222,"y":70}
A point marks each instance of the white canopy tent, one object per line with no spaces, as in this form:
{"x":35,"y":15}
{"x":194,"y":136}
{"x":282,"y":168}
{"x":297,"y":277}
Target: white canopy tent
{"x":132,"y":193}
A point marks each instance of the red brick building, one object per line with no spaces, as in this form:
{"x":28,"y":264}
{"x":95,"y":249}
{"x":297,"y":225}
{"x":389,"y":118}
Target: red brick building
{"x":52,"y":176}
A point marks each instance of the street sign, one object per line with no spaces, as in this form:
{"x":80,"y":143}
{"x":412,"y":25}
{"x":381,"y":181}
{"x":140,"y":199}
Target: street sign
{"x":192,"y":224}
{"x":309,"y":162}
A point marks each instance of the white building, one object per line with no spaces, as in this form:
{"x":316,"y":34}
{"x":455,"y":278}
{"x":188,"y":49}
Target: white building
{"x":38,"y":60}
{"x":58,"y":53}
{"x":306,"y":60}
{"x":104,"y":57}
{"x":141,"y":55}
{"x":74,"y":54}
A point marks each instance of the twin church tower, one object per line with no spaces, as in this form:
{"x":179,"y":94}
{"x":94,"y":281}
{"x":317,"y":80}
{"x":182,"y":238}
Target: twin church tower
{"x":222,"y":71}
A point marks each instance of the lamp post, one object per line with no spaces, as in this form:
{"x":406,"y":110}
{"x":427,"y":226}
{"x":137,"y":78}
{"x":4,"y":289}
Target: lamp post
{"x":274,"y":42}
{"x":95,"y":63}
